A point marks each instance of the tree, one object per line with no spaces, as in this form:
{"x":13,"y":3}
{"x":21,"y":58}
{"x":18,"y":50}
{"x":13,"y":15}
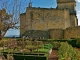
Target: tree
{"x":10,"y":11}
{"x":4,"y":26}
{"x":5,"y":22}
{"x":8,"y":18}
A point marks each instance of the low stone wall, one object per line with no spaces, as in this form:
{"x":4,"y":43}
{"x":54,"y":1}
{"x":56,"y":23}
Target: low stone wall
{"x":68,"y":33}
{"x":56,"y":33}
{"x":72,"y":32}
{"x":37,"y":34}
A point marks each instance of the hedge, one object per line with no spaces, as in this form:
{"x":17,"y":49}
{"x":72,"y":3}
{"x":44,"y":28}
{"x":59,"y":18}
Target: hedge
{"x":42,"y":50}
{"x":29,"y":57}
{"x":20,"y":56}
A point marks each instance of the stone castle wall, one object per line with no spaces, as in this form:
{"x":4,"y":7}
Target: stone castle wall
{"x":44,"y":19}
{"x":68,"y":33}
{"x":22,"y":25}
{"x":49,"y":22}
{"x":72,"y":32}
{"x":39,"y":34}
{"x":56,"y":33}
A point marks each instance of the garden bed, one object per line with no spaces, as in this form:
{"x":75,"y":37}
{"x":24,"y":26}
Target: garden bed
{"x":26,"y":56}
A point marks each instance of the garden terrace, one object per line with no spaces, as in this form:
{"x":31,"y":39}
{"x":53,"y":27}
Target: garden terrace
{"x":42,"y":52}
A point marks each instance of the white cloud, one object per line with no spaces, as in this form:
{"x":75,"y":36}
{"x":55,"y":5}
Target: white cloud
{"x":78,"y":11}
{"x":78,"y":14}
{"x":78,"y":0}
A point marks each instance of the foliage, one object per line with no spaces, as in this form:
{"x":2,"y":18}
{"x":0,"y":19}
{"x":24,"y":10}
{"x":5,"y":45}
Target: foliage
{"x":66,"y":51}
{"x":56,"y":45}
{"x":42,"y":50}
{"x":78,"y":42}
{"x":4,"y":18}
{"x":48,"y":46}
{"x":7,"y":21}
{"x":29,"y":57}
{"x":75,"y":42}
{"x":26,"y":56}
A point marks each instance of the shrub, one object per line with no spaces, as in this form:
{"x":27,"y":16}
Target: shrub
{"x":78,"y":42}
{"x":48,"y":46}
{"x":42,"y":50}
{"x":66,"y":51}
{"x":56,"y":45}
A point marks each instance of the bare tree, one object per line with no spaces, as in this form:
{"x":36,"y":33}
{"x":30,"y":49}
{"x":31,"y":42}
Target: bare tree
{"x":9,"y":15}
{"x":10,"y":11}
{"x":3,"y":22}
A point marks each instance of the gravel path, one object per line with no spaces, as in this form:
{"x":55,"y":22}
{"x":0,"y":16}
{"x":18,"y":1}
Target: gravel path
{"x":54,"y":55}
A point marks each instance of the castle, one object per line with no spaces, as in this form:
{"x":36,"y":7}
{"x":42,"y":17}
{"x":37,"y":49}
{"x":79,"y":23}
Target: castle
{"x":54,"y":23}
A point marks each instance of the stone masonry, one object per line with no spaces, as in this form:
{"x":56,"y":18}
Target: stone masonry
{"x":56,"y":21}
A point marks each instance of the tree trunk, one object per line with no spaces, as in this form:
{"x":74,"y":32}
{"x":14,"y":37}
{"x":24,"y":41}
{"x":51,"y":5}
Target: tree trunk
{"x":0,"y":36}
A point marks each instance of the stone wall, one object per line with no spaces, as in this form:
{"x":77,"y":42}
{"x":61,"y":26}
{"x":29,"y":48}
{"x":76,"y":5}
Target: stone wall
{"x":54,"y":20}
{"x":48,"y":34}
{"x":22,"y":25}
{"x":68,"y":33}
{"x":73,"y":20}
{"x":72,"y":32}
{"x":44,"y":19}
{"x":60,"y":22}
{"x":66,"y":4}
{"x":37,"y":33}
{"x":56,"y":33}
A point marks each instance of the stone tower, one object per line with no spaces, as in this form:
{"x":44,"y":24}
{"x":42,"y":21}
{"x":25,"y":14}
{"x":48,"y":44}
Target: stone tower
{"x":69,"y":5}
{"x":66,"y":4}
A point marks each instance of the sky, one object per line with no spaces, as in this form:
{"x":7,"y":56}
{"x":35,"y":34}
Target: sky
{"x":42,"y":4}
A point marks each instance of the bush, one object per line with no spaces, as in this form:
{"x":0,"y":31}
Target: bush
{"x":78,"y":42}
{"x":28,"y":57}
{"x":56,"y":45}
{"x":48,"y":46}
{"x":66,"y":51}
{"x":42,"y":50}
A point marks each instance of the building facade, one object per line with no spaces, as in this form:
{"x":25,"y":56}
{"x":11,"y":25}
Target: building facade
{"x":49,"y":22}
